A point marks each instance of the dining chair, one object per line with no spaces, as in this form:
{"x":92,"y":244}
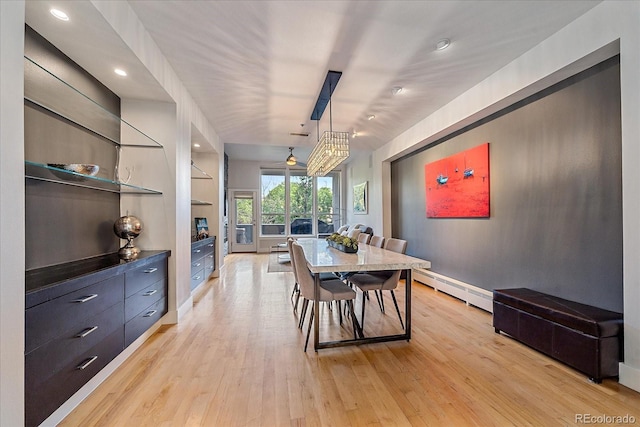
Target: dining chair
{"x":363,"y":238}
{"x":377,"y":241}
{"x":296,"y":285}
{"x":330,"y":290}
{"x":386,"y":280}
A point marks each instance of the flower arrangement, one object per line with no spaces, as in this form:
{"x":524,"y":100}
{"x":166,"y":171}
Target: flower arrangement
{"x":336,"y":240}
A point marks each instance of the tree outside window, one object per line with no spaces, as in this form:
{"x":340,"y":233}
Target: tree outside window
{"x":298,"y":204}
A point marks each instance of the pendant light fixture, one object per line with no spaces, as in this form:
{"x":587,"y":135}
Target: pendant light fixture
{"x":291,"y":160}
{"x":333,"y":148}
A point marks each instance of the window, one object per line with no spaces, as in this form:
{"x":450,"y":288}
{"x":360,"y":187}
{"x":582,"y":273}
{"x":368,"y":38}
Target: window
{"x":299,"y":205}
{"x":273,"y":204}
{"x":328,"y":203}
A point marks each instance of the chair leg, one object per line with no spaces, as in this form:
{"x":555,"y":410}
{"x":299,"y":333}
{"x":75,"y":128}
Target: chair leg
{"x":303,"y":312}
{"x":380,"y":300}
{"x":393,"y":295}
{"x":357,"y":329}
{"x":295,"y":305}
{"x":306,"y":342}
{"x":362,"y":312}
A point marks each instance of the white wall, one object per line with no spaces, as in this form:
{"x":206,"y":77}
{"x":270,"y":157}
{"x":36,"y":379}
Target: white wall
{"x":128,"y":27}
{"x":359,"y":170}
{"x":12,"y":264}
{"x":581,"y":44}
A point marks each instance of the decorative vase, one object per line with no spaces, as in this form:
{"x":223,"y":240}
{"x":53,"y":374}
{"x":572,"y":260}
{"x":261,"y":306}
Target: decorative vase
{"x":128,"y":227}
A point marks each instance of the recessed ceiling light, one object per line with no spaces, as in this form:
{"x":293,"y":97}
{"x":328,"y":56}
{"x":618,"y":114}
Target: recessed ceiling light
{"x":196,"y":145}
{"x":59,"y":14}
{"x":371,"y":117}
{"x":443,"y":44}
{"x":120,"y":72}
{"x":396,"y":90}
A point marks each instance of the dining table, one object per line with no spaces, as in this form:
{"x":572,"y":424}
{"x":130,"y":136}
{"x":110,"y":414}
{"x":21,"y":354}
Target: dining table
{"x":322,"y":258}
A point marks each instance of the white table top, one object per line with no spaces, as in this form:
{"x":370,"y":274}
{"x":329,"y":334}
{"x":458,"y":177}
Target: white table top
{"x":323,"y":258}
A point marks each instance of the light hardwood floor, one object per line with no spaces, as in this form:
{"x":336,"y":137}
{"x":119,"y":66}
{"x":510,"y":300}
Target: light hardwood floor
{"x":237,"y":360}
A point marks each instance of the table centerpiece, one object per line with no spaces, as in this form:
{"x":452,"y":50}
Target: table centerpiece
{"x":343,"y":243}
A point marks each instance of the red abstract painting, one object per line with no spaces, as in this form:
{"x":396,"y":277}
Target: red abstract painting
{"x":458,"y":186}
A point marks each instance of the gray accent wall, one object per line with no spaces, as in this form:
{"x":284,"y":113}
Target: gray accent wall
{"x":66,"y":223}
{"x":556,"y":196}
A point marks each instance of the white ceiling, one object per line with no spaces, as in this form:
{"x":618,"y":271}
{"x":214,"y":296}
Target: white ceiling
{"x":255,"y":68}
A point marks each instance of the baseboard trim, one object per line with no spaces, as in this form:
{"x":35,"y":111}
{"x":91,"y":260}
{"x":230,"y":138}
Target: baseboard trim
{"x":629,"y":376}
{"x":471,"y":295}
{"x":184,"y":309}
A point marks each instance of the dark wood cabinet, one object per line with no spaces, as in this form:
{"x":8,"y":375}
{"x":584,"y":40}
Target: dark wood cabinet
{"x":202,"y":260}
{"x":79,"y":316}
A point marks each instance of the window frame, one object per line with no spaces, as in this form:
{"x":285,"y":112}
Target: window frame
{"x":288,"y":173}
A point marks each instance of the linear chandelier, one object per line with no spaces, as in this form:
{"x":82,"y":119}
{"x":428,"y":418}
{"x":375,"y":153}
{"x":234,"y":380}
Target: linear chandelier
{"x":333,"y":148}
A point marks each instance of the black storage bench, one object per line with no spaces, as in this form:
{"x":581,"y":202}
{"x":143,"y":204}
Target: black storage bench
{"x":584,"y":337}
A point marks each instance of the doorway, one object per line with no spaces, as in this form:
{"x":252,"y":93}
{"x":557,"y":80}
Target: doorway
{"x":242,"y":229}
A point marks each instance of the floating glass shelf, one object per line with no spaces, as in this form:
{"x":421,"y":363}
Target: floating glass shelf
{"x":80,"y":108}
{"x":42,"y":172}
{"x":201,"y":175}
{"x":200,"y":203}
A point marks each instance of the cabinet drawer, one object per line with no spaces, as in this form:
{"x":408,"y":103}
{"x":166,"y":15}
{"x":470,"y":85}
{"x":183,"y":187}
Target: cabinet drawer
{"x":209,"y":261}
{"x":143,"y":321}
{"x":138,"y":279}
{"x":197,"y":265}
{"x":49,"y":358}
{"x":42,"y":398}
{"x":46,"y":321}
{"x":197,"y":252}
{"x":197,"y":278}
{"x":143,"y":299}
{"x":208,"y":270}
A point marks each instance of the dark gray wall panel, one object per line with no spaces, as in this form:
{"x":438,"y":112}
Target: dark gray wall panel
{"x":556,"y":196}
{"x":65,"y":223}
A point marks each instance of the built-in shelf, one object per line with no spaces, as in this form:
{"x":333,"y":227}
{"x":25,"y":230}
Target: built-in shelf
{"x":199,"y":174}
{"x":42,"y":172}
{"x":200,"y":203}
{"x":78,"y":107}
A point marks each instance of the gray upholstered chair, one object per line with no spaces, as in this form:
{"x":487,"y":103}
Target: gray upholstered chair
{"x":330,"y":290}
{"x":363,"y":238}
{"x":381,"y":280}
{"x":377,"y":241}
{"x":296,"y":286}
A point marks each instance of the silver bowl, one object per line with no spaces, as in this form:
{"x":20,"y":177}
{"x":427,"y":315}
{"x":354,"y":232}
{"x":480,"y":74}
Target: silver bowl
{"x":79,"y":168}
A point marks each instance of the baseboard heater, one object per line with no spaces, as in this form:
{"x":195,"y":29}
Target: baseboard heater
{"x":471,"y":295}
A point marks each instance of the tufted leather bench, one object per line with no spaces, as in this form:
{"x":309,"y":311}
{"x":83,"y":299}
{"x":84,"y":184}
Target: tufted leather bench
{"x":584,"y":337}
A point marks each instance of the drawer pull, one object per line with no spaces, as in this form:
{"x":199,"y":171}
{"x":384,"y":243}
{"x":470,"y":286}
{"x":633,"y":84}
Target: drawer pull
{"x":151,"y":270}
{"x":86,"y":363}
{"x":150,"y":313}
{"x":85,"y":299}
{"x":149,"y":293}
{"x":86,"y":332}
